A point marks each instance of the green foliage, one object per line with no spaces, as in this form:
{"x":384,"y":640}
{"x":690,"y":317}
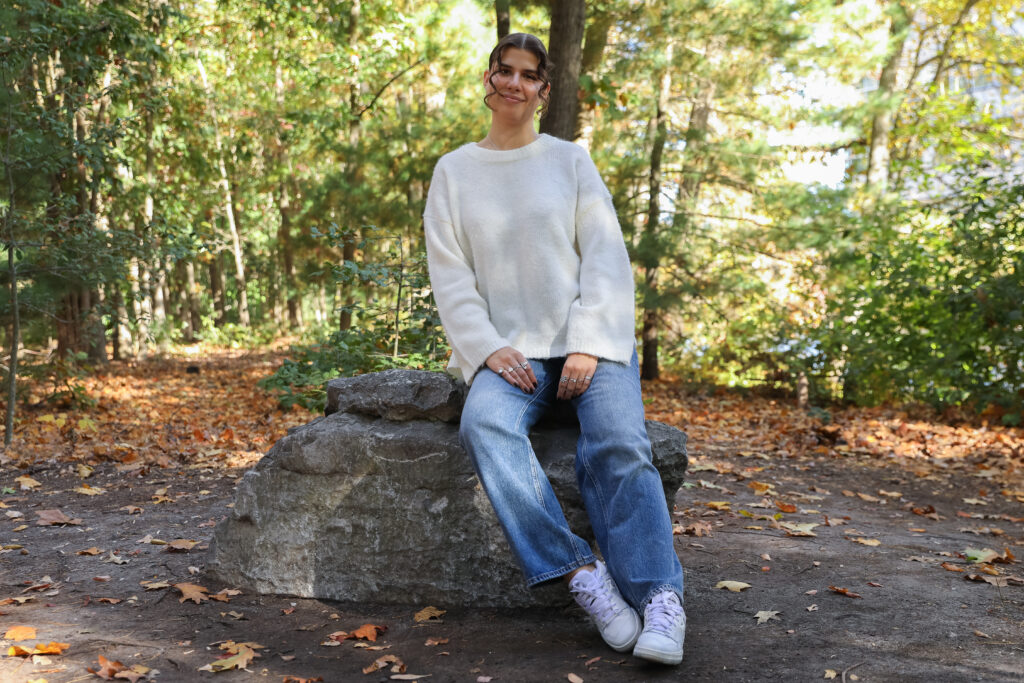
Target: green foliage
{"x":931,"y":309}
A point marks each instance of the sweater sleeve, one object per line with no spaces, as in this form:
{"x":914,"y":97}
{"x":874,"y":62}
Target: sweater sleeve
{"x":601,"y":319}
{"x":464,"y":312}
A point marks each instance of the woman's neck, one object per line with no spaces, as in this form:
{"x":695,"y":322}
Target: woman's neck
{"x":505,"y":138}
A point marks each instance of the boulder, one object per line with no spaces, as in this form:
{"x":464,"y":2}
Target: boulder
{"x":378,"y":502}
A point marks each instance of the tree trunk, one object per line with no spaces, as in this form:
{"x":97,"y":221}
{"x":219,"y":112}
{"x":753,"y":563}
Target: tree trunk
{"x":192,"y":297}
{"x":887,"y":102}
{"x":217,"y":290}
{"x":568,"y":18}
{"x":502,"y":18}
{"x":651,"y":255}
{"x":229,"y":211}
{"x":353,"y":171}
{"x":595,"y":41}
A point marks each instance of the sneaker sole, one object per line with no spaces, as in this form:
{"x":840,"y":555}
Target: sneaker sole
{"x":659,"y":656}
{"x":627,"y":646}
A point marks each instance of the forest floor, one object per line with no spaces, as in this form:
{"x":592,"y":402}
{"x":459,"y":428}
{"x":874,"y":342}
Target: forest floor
{"x":879,"y":547}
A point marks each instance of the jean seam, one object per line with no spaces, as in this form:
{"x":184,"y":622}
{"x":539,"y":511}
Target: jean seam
{"x":534,"y":476}
{"x":658,"y":589}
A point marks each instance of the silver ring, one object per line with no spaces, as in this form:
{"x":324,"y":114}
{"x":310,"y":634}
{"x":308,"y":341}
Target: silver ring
{"x":524,"y":365}
{"x":501,"y":372}
{"x":510,"y":369}
{"x":563,"y":380}
{"x":588,"y":378}
{"x":573,"y":381}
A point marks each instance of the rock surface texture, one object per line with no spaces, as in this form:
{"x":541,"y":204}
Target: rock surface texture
{"x":378,"y":502}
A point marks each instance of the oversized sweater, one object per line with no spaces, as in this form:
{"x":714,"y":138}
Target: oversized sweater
{"x":525,"y":250}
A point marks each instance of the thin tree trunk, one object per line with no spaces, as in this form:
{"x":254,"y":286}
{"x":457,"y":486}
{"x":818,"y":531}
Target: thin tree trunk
{"x":229,"y":211}
{"x":887,"y":102}
{"x":652,"y":257}
{"x":217,"y":290}
{"x":594,"y":43}
{"x":568,"y":18}
{"x":192,"y":296}
{"x":352,"y":170}
{"x":12,"y":270}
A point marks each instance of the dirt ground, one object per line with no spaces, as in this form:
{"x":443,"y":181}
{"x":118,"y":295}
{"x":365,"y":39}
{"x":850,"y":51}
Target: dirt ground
{"x":882,"y":590}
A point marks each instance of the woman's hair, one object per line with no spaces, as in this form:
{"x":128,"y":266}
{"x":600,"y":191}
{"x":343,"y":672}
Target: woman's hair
{"x":531,"y":44}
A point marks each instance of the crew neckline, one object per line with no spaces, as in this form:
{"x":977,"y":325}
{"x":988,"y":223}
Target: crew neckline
{"x":540,"y":142}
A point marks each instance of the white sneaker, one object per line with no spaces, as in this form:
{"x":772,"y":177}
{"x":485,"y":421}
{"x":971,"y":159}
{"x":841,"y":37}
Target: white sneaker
{"x":596,"y":592}
{"x":664,"y":628}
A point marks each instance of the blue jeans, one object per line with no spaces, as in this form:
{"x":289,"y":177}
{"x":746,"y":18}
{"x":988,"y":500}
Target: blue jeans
{"x":620,"y":487}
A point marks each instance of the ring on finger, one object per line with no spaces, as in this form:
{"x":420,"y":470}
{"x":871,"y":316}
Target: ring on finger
{"x":501,"y":371}
{"x":524,"y":365}
{"x":587,"y":378}
{"x":563,"y":380}
{"x":510,"y":369}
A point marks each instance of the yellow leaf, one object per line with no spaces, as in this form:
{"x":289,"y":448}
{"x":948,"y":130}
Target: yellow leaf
{"x":89,"y":551}
{"x":87,"y":490}
{"x":794,"y":529}
{"x":867,"y":541}
{"x":430,"y":613}
{"x":87,"y":424}
{"x":718,"y":505}
{"x":83,"y":470}
{"x":237,"y":661}
{"x":831,"y":673}
{"x":27,"y":482}
{"x":734,"y":586}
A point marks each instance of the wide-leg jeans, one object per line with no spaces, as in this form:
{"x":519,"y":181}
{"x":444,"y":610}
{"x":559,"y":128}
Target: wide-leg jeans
{"x":618,"y":483}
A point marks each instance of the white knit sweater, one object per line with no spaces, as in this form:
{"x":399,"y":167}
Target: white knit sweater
{"x":524,"y":250}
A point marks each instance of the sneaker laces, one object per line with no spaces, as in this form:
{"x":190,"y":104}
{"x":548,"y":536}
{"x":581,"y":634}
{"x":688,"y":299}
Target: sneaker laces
{"x":591,"y":592}
{"x":663,"y":613}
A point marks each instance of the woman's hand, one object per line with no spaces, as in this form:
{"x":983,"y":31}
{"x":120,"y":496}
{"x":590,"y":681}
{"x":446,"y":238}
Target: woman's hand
{"x":513,"y":367}
{"x":577,"y":373}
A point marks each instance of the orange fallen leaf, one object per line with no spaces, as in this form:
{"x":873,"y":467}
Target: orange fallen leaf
{"x":190,"y":591}
{"x":239,"y":660}
{"x":51,"y":648}
{"x":949,"y":567}
{"x":844,"y":591}
{"x":106,"y":669}
{"x":785,"y":507}
{"x":434,"y":640}
{"x":180,"y":545}
{"x":89,"y":551}
{"x":17,"y":633}
{"x":225,"y":595}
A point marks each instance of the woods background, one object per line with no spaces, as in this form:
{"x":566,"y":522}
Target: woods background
{"x":823,"y":198}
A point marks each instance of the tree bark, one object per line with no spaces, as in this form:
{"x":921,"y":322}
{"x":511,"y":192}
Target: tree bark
{"x":594,"y":43}
{"x":229,"y":211}
{"x":217,"y":289}
{"x":353,"y":171}
{"x":501,"y":15}
{"x":565,"y":46}
{"x":887,"y":102}
{"x":652,"y":308}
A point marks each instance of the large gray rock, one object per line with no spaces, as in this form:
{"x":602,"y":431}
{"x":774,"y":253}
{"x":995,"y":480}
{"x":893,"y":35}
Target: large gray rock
{"x":378,"y":502}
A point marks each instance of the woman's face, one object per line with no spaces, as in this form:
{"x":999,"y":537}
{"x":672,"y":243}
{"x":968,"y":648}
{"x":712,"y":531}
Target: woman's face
{"x":516,"y":84}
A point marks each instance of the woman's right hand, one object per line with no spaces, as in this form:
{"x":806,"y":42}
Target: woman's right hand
{"x":513,"y":367}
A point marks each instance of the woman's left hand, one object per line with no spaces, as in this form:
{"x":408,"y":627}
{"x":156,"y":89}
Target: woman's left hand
{"x":577,"y":374}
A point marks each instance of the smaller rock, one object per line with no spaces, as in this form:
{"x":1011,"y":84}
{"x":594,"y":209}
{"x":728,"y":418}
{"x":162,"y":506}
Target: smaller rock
{"x":399,"y":395}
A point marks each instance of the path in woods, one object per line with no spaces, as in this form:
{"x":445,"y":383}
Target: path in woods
{"x":880,"y":547}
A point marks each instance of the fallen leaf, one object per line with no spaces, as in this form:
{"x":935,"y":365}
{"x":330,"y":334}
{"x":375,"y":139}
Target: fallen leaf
{"x":982,"y":635}
{"x":795,"y":529}
{"x":573,"y":678}
{"x":975,"y":501}
{"x":734,"y":586}
{"x":154,"y":585}
{"x":17,"y":633}
{"x":83,"y":470}
{"x":225,"y":594}
{"x":830,"y":673}
{"x":722,"y":505}
{"x":866,"y":541}
{"x":110,"y":601}
{"x":951,"y":567}
{"x":844,"y":591}
{"x":27,"y":483}
{"x":131,"y":509}
{"x":89,"y":551}
{"x":51,"y":648}
{"x":765,"y":615}
{"x":434,"y":640}
{"x":115,"y":558}
{"x":430,"y":613}
{"x":812,"y":608}
{"x":785,"y":507}
{"x":106,"y":669}
{"x":239,"y":660}
{"x":409,"y":677}
{"x":397,"y":665}
{"x":180,"y":545}
{"x":190,"y":591}
{"x":890,"y":494}
{"x":868,"y":498}
{"x":87,"y":490}
{"x":53,"y":517}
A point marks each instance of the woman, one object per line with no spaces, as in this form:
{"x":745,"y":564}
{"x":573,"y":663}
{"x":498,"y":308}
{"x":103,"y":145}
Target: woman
{"x":535,"y":292}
